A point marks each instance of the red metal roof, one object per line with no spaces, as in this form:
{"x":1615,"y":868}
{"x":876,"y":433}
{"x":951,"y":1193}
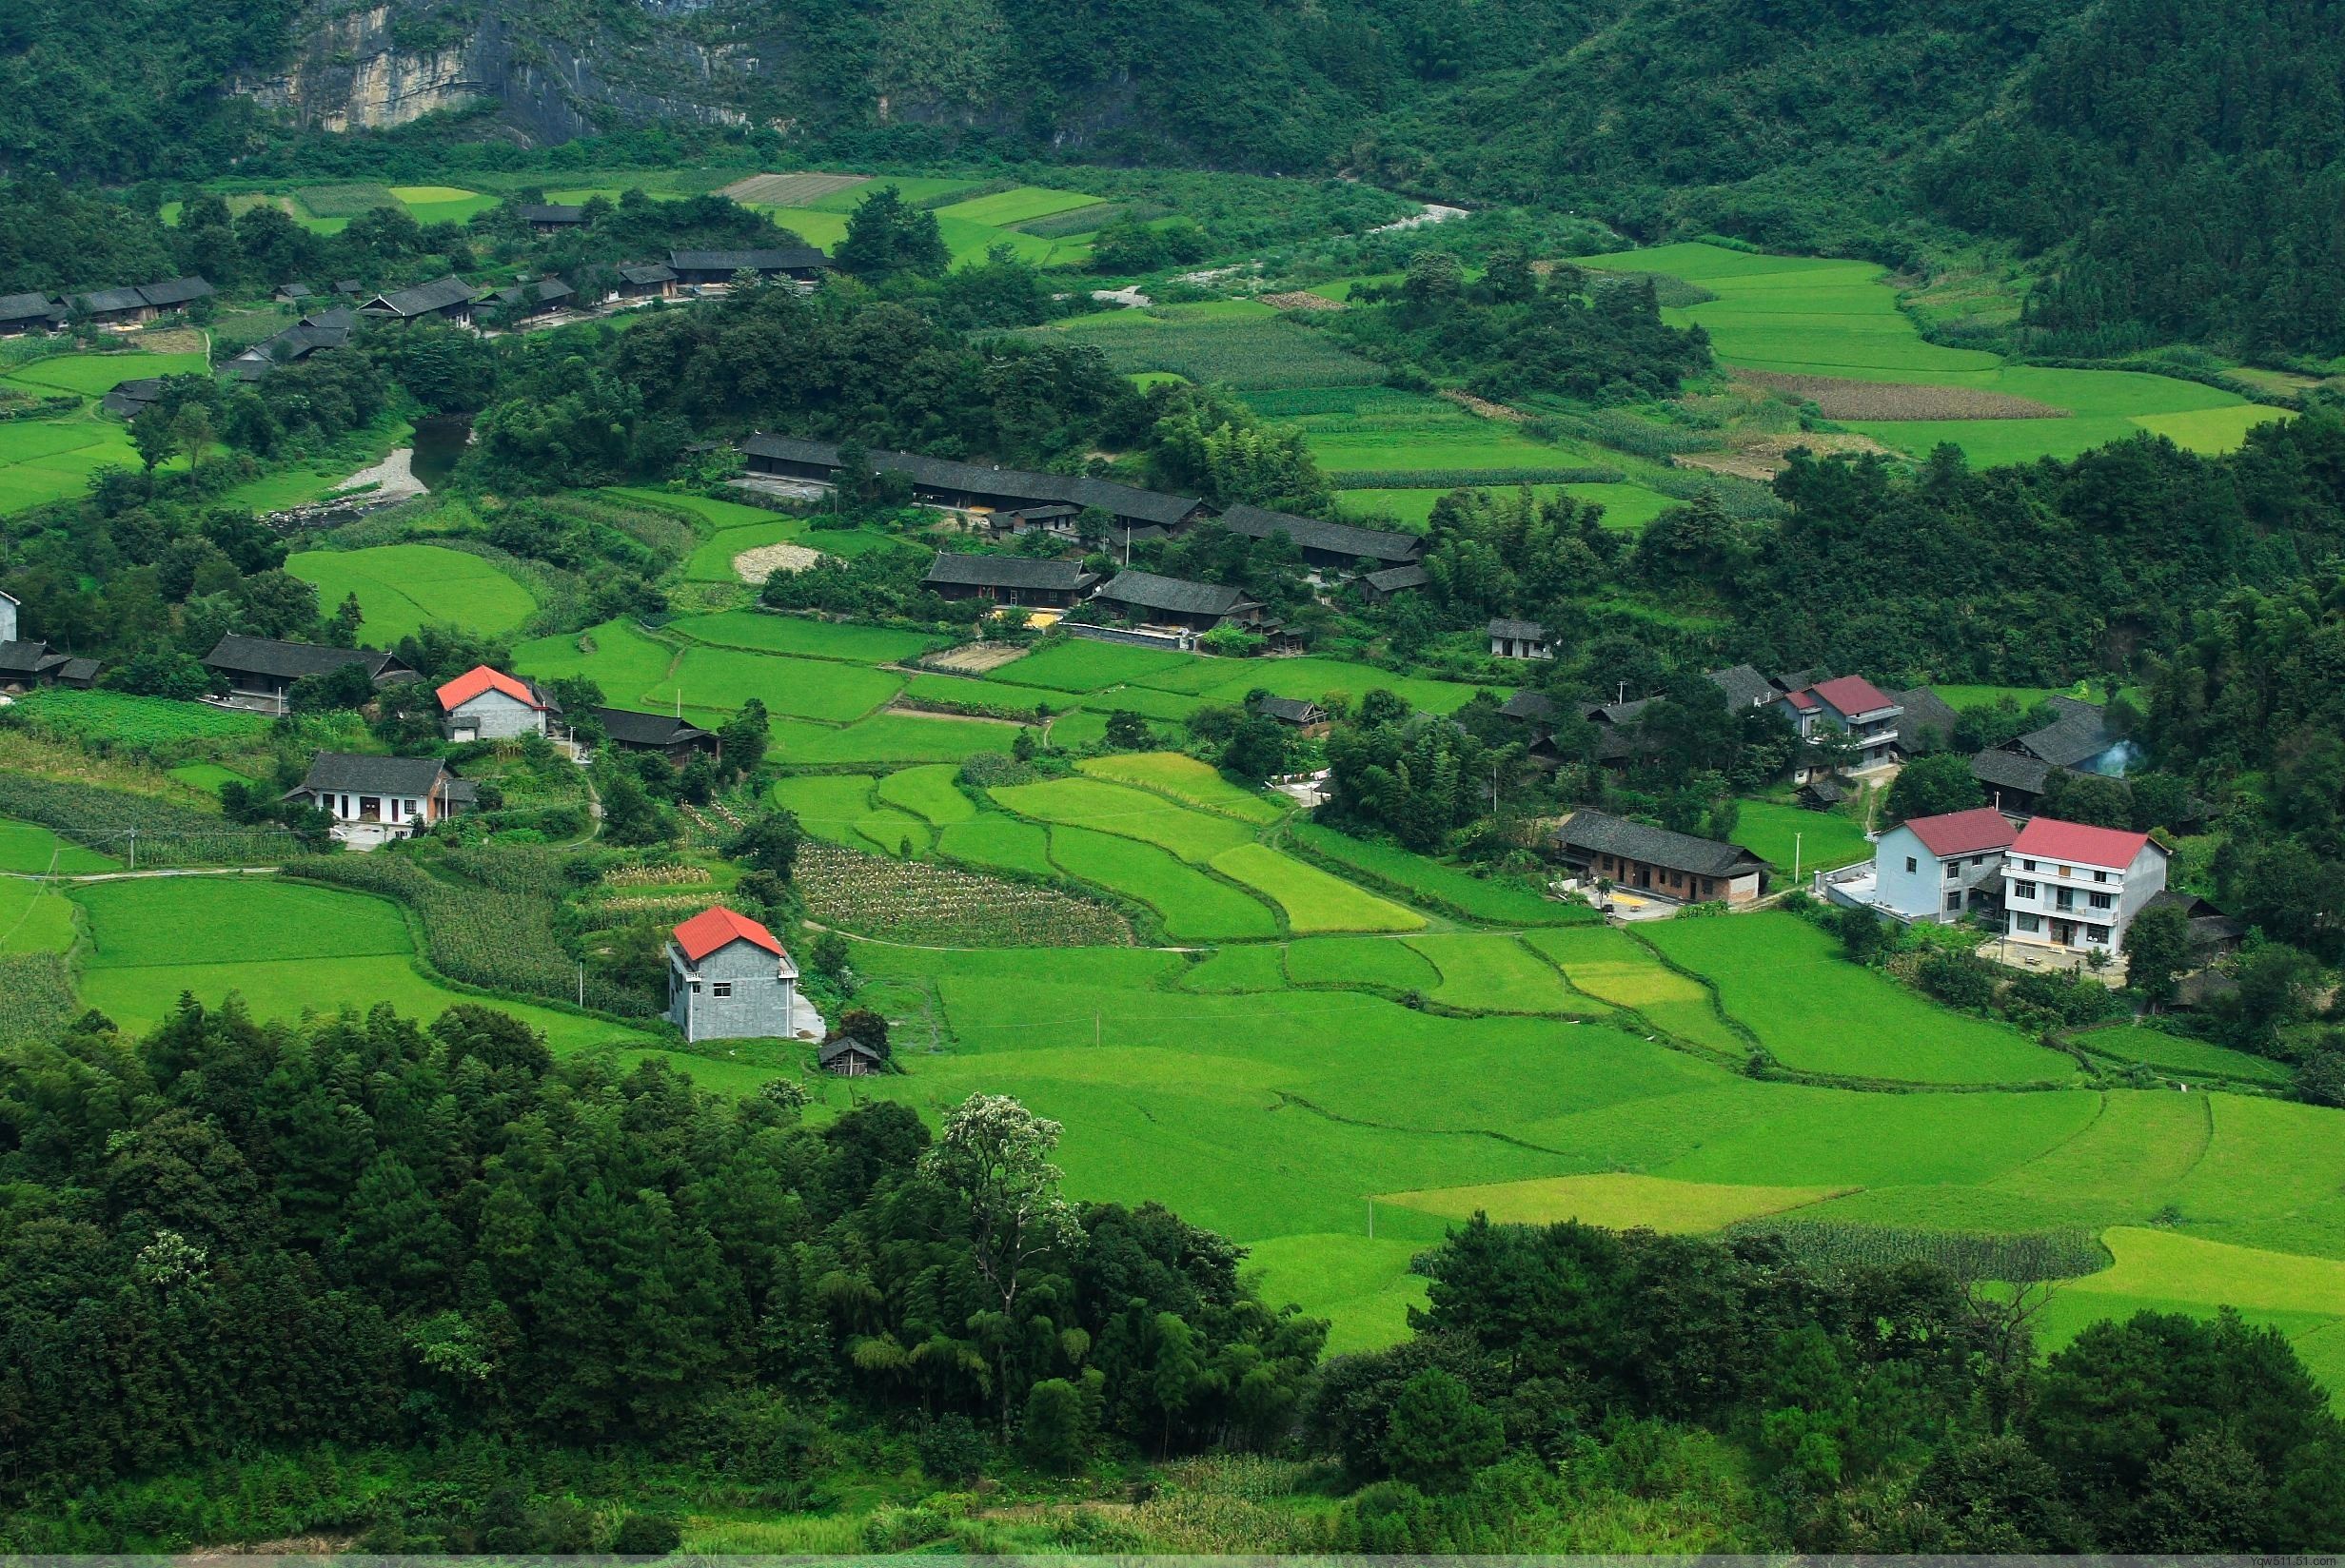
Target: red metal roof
{"x":1852,"y":695}
{"x":717,"y":927}
{"x":1964,"y":832}
{"x":482,"y":678}
{"x":1799,"y":699}
{"x":2112,"y":848}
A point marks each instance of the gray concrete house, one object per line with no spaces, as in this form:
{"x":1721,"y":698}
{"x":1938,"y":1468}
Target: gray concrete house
{"x":485,"y":704}
{"x":729,"y":979}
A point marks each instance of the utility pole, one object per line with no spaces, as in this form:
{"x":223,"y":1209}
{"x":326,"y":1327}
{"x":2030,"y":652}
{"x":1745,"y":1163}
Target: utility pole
{"x":1795,"y":859}
{"x":1372,"y":1219}
{"x":134,"y":849}
{"x":582,"y":982}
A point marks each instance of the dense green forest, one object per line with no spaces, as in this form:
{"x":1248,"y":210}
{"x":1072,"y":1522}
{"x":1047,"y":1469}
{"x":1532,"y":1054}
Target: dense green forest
{"x":2172,"y":170}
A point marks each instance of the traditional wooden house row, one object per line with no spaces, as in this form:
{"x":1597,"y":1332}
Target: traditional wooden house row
{"x":261,"y":670}
{"x":448,"y":301}
{"x":142,"y":303}
{"x":34,"y":312}
{"x":320,"y":330}
{"x":702,"y":268}
{"x":30,"y":661}
{"x":1138,"y":514}
{"x":1658,"y":861}
{"x":1009,"y":580}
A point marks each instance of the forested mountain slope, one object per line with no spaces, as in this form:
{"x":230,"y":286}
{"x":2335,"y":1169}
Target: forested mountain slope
{"x":2178,"y":166}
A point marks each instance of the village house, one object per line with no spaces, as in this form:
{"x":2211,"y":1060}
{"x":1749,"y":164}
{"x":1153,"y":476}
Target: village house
{"x":2074,"y":888}
{"x":1327,"y":546}
{"x":729,"y":979}
{"x":133,"y":306}
{"x":320,"y":330}
{"x":21,"y":313}
{"x":261,"y":670}
{"x":129,"y":400}
{"x":1856,"y":708}
{"x":376,"y":800}
{"x":526,"y":302}
{"x":29,"y":661}
{"x":717,"y":269}
{"x":1940,"y":868}
{"x":2077,"y":740}
{"x":448,"y":301}
{"x":2014,"y":782}
{"x":676,"y":738}
{"x":1299,"y":713}
{"x":1009,"y":580}
{"x":1156,"y":601}
{"x":1743,"y":687}
{"x":1384,"y":586}
{"x":1658,"y":862}
{"x":645,"y":281}
{"x":551,"y":218}
{"x":1925,"y":722}
{"x":1136,"y":515}
{"x":1519,"y":640}
{"x":1055,"y":518}
{"x":485,"y":704}
{"x":293,"y":294}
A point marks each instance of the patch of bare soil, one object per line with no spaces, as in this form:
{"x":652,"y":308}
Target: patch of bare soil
{"x":1837,"y":398}
{"x":1302,"y":298}
{"x":1763,"y":457}
{"x":789,"y":189}
{"x":976,"y":658}
{"x":172,"y":340}
{"x":762,"y":562}
{"x":1483,"y":407}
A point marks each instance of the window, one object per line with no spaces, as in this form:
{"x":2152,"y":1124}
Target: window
{"x":693,"y":985}
{"x":2027,"y":865}
{"x":2063,"y":898}
{"x":1954,"y":903}
{"x":1954,"y":868}
{"x":2024,"y":890}
{"x":2097,"y":933}
{"x":722,"y":988}
{"x":2027,"y":922}
{"x":2100,"y":876}
{"x":1909,"y":863}
{"x":1978,"y":859}
{"x":2100,"y":900}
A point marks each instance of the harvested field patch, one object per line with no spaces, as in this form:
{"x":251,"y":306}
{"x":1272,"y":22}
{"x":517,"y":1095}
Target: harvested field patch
{"x":922,"y":901}
{"x":1837,"y":397}
{"x":789,"y":189}
{"x":1483,"y":408}
{"x":1302,"y":300}
{"x":760,"y":561}
{"x":1615,"y":1200}
{"x":1762,"y":458}
{"x":976,"y":658}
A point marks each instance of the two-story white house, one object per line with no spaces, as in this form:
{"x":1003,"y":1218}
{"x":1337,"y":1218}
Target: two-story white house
{"x":729,"y":979}
{"x":1939,"y":868}
{"x":485,"y":704}
{"x":1852,"y":705}
{"x":375,"y":799}
{"x":2070,"y":887}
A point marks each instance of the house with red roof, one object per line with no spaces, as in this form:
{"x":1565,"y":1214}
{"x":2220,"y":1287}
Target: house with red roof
{"x":485,"y":704}
{"x":2076,"y":889}
{"x":729,"y":979}
{"x":1856,"y":708}
{"x":1940,"y":868}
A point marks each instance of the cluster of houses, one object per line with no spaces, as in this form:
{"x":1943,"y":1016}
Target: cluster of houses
{"x":452,"y":302}
{"x":26,"y":663}
{"x":116,"y":309}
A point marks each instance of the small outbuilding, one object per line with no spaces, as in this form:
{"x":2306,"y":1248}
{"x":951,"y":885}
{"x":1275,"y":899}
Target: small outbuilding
{"x":678,"y":739}
{"x":847,"y":1057}
{"x":1511,"y":639}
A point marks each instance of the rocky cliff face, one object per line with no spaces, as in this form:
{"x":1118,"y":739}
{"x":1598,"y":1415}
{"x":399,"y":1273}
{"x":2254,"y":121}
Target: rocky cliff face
{"x":351,"y":70}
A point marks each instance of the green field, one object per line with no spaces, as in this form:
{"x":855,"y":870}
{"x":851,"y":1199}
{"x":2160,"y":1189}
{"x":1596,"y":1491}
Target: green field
{"x":288,"y":948}
{"x":1194,"y":907}
{"x":721,"y":679}
{"x":1800,"y":316}
{"x":1492,"y":972}
{"x":1376,"y":963}
{"x":33,"y":917}
{"x":119,"y":717}
{"x":1000,"y":841}
{"x":616,"y":656}
{"x":1021,"y":205}
{"x":1627,"y":506}
{"x":1817,"y":1012}
{"x":1081,"y":664}
{"x":2183,"y":1057}
{"x":928,"y":793}
{"x":1313,"y":901}
{"x":1788,"y":835}
{"x":1188,"y":780}
{"x":95,"y":375}
{"x":1500,"y":900}
{"x":28,"y":846}
{"x":1196,"y":837}
{"x":888,"y":737}
{"x":403,"y":588}
{"x":1230,"y":342}
{"x":48,"y":460}
{"x":1621,"y":1202}
{"x":803,"y":637}
{"x":1613,"y":966}
{"x":842,"y":809}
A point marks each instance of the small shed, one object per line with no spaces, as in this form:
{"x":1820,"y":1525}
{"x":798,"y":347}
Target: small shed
{"x":845,"y":1056}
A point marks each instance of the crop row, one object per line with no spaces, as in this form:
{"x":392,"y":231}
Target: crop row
{"x":120,"y":718}
{"x":1236,"y":354}
{"x":167,"y":834}
{"x":921,"y":901}
{"x":36,"y":996}
{"x":2023,"y":1258}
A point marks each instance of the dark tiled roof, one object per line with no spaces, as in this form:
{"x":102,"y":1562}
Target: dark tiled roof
{"x":544,"y":291}
{"x":78,"y":672}
{"x":1926,"y":713}
{"x":2077,"y":734}
{"x":175,"y":292}
{"x":1335,"y":538}
{"x":771,"y":258}
{"x":628,"y":727}
{"x":350,"y":771}
{"x":1013,"y":484}
{"x":1519,"y":630}
{"x":25,"y":307}
{"x":553,"y":214}
{"x":1290,"y":710}
{"x":846,"y":1048}
{"x":292,"y":291}
{"x":1824,"y":790}
{"x":424,"y":299}
{"x":1744,"y":687}
{"x":1607,"y":834}
{"x":292,"y":660}
{"x":648,"y":272}
{"x":22,"y":658}
{"x":132,"y":397}
{"x":1064,"y":577}
{"x":99,"y":301}
{"x":1179,"y":595}
{"x":1535,"y":706}
{"x":1394,"y":579}
{"x":2010,"y":770}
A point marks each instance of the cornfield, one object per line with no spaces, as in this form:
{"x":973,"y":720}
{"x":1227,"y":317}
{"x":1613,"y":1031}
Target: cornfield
{"x":665,"y":874}
{"x":167,"y":834}
{"x":36,"y":996}
{"x":921,"y":901}
{"x":2025,"y":1258}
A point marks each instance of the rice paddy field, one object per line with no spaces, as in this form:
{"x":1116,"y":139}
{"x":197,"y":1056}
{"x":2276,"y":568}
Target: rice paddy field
{"x":1834,"y":327}
{"x":47,"y":459}
{"x":402,"y":588}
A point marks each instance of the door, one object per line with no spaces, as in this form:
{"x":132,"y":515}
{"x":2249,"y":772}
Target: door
{"x":2064,"y":933}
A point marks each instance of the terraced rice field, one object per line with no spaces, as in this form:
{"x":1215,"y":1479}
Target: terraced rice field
{"x":29,"y":849}
{"x":1187,"y":781}
{"x":843,"y":809}
{"x":1613,"y":966}
{"x":47,"y":459}
{"x":1619,"y":1201}
{"x":1492,"y":972}
{"x":1501,"y":900}
{"x":1196,"y":837}
{"x":1313,"y":901}
{"x":1194,"y":907}
{"x":802,"y":636}
{"x":1236,"y":343}
{"x":403,"y":588}
{"x":1801,"y":317}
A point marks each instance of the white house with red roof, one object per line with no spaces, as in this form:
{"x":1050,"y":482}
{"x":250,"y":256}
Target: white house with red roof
{"x":729,"y":979}
{"x":485,"y":704}
{"x":1940,"y":868}
{"x":1852,"y":705}
{"x":2076,"y":889}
